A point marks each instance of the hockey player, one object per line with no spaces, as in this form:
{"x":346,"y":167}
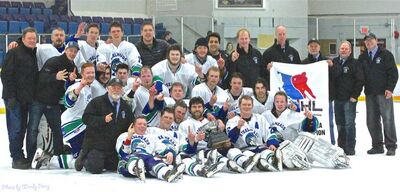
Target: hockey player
{"x":216,"y":99}
{"x":88,"y":47}
{"x":136,"y":148}
{"x":180,"y":113}
{"x":236,"y":92}
{"x":199,"y":58}
{"x":262,"y":99}
{"x":248,"y":132}
{"x":192,"y":127}
{"x":151,"y":87}
{"x":176,"y":93}
{"x":172,"y":70}
{"x":119,"y":51}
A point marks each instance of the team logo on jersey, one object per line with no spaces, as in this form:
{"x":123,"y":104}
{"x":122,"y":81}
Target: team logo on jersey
{"x":378,"y":60}
{"x":250,"y":139}
{"x":255,"y":59}
{"x":88,"y":98}
{"x":138,"y":145}
{"x":114,"y":63}
{"x":291,"y":57}
{"x":345,"y":69}
{"x":296,"y":86}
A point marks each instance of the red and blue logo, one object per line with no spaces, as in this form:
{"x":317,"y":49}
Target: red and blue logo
{"x":296,"y":86}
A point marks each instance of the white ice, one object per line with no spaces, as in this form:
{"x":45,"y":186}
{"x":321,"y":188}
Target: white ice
{"x":367,"y":173}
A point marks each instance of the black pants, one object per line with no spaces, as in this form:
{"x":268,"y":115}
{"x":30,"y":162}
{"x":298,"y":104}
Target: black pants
{"x":96,"y":160}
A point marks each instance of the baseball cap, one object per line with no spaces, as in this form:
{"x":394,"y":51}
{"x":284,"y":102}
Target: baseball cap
{"x":369,"y":36}
{"x":313,"y":41}
{"x":115,"y":81}
{"x":72,"y":44}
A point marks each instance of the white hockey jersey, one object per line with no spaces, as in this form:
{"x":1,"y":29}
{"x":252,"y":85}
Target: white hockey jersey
{"x":194,"y":125}
{"x":168,"y":140}
{"x":185,"y":74}
{"x":252,"y":133}
{"x":141,"y":98}
{"x":234,"y":104}
{"x":71,"y":119}
{"x":260,"y":108}
{"x":126,"y":52}
{"x":191,"y":59}
{"x":202,"y":90}
{"x":145,"y":144}
{"x":45,"y":52}
{"x":288,"y":124}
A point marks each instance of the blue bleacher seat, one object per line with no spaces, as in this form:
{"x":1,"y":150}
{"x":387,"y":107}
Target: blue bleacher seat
{"x":63,"y":25}
{"x":24,"y":11}
{"x":36,"y":11}
{"x":104,"y":28}
{"x":18,"y":17}
{"x":138,"y":20}
{"x":14,"y":27}
{"x":87,"y":19}
{"x":27,"y":4}
{"x":39,"y":26}
{"x":64,"y":18}
{"x":16,"y":4}
{"x":108,"y":19}
{"x":3,"y":10}
{"x":6,"y":17}
{"x":47,"y":11}
{"x":54,"y":18}
{"x":72,"y":27}
{"x":23,"y":25}
{"x":127,"y":29}
{"x":136,"y":29}
{"x":12,"y":10}
{"x":119,"y":20}
{"x":77,"y":19}
{"x":160,"y":33}
{"x":5,"y":4}
{"x":159,"y":26}
{"x":39,"y":5}
{"x":3,"y":27}
{"x":148,"y":20}
{"x":128,"y":20}
{"x":30,"y":17}
{"x":97,"y":19}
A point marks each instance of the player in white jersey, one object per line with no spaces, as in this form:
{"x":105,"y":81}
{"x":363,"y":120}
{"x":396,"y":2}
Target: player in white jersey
{"x":76,"y":99}
{"x":195,"y":127}
{"x":199,"y":58}
{"x":249,"y":133}
{"x":119,"y":51}
{"x":150,"y":87}
{"x":285,"y":124}
{"x":214,"y":97}
{"x":137,"y":150}
{"x":180,"y":114}
{"x":88,"y":48}
{"x":172,"y":70}
{"x":236,"y":92}
{"x":262,"y":99}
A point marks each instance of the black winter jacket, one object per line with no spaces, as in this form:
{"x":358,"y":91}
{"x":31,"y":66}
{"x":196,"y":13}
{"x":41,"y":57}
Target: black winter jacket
{"x":348,"y":83}
{"x":152,"y":56}
{"x":380,"y":74}
{"x":19,"y":74}
{"x":49,"y":89}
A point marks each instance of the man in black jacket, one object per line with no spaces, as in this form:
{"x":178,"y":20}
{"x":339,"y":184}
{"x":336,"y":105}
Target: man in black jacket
{"x":280,"y":51}
{"x":56,"y":75}
{"x":151,"y":50}
{"x":347,"y":87}
{"x":106,"y":117}
{"x":19,"y":77}
{"x":380,"y":77}
{"x":246,"y":59}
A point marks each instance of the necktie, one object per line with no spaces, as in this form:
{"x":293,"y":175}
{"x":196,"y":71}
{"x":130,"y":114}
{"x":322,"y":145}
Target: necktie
{"x":283,"y":50}
{"x":370,"y":55}
{"x":342,"y":62}
{"x":115,"y":112}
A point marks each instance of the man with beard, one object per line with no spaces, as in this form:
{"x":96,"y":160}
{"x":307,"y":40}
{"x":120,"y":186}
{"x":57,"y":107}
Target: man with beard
{"x":180,"y":110}
{"x":199,"y":58}
{"x":106,"y":117}
{"x":172,"y":70}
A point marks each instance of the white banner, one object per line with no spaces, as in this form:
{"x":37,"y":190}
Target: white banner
{"x":308,"y":85}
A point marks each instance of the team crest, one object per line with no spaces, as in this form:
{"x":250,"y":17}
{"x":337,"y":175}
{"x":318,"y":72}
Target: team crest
{"x":255,"y":59}
{"x":291,"y":57}
{"x":378,"y":60}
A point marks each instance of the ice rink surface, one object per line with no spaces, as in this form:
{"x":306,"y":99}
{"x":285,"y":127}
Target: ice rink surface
{"x":367,"y":173}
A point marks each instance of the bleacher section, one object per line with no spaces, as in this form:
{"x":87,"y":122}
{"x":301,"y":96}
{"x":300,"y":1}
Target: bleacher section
{"x":15,"y":16}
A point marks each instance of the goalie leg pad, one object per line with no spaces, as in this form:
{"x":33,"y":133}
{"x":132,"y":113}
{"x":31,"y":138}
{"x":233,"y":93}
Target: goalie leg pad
{"x":292,"y":156}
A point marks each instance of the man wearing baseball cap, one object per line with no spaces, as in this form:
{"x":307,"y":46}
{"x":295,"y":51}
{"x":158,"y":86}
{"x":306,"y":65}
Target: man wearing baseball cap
{"x":106,"y":117}
{"x":380,"y":73}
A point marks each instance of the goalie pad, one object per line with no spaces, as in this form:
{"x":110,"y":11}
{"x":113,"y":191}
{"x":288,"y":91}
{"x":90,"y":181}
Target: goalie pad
{"x":321,"y":151}
{"x":292,"y":156}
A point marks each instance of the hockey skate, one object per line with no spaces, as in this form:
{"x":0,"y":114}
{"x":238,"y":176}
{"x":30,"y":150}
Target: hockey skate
{"x":251,"y":162}
{"x":41,"y":158}
{"x":209,"y":171}
{"x":233,"y":166}
{"x":266,"y":165}
{"x":200,"y":157}
{"x":212,"y":157}
{"x":139,"y":170}
{"x":175,"y":173}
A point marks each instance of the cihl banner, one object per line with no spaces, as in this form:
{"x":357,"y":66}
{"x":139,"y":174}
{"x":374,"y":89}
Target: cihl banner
{"x":307,"y":84}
